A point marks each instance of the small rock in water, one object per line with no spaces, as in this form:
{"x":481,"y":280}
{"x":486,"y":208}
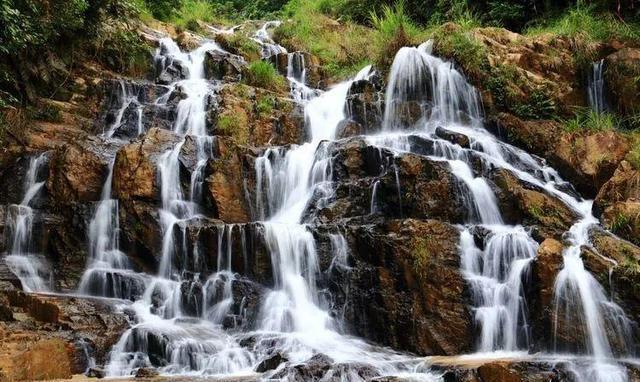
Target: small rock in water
{"x":147,"y":372}
{"x":95,"y":372}
{"x":271,"y":363}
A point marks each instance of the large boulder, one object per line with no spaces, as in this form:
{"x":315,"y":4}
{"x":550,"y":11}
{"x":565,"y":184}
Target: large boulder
{"x":586,"y":159}
{"x":525,"y":203}
{"x":404,"y":287}
{"x":51,"y":337}
{"x":221,"y":65}
{"x":77,"y":172}
{"x":622,"y":69}
{"x":257,"y":117}
{"x":135,"y":170}
{"x":374,"y":180}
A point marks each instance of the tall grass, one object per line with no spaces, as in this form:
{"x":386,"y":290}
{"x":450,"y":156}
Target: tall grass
{"x":394,"y":29}
{"x":592,"y":121}
{"x":583,"y":22}
{"x":263,"y":74}
{"x":191,"y":12}
{"x":342,"y":46}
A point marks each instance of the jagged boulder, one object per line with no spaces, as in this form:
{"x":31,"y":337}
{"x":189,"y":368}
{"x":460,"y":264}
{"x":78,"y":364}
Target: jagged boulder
{"x":365,"y":106}
{"x":373,"y":180}
{"x":622,"y":69}
{"x":224,"y":186}
{"x":221,"y":65}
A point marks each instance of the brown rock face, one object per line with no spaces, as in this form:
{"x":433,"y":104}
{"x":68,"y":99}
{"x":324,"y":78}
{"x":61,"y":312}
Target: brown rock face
{"x":135,"y":169}
{"x":622,"y":69}
{"x":623,"y":185}
{"x":257,"y":117}
{"x":525,"y":202}
{"x":76,"y":173}
{"x":586,"y":159}
{"x":42,"y":337}
{"x":406,"y":290}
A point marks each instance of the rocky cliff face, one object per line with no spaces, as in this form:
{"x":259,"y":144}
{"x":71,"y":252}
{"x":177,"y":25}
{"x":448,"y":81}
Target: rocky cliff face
{"x":402,"y":285}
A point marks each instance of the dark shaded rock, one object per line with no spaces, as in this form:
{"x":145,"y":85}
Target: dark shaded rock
{"x":403,"y":287}
{"x":271,"y":363}
{"x":453,"y":137}
{"x":95,"y":372}
{"x":220,"y":65}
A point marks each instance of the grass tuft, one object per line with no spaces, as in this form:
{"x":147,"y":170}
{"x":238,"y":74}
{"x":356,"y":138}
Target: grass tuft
{"x":264,"y":75}
{"x":592,"y":121}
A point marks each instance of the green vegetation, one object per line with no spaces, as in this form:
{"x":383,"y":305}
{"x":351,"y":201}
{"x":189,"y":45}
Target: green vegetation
{"x":592,"y":121}
{"x":342,"y":47}
{"x":393,"y":30}
{"x":457,"y":42}
{"x":634,"y":154}
{"x":191,"y":13}
{"x":264,"y":75}
{"x":585,"y":23}
{"x":234,"y":125}
{"x":239,"y":44}
{"x":122,"y":51}
{"x":265,"y":105}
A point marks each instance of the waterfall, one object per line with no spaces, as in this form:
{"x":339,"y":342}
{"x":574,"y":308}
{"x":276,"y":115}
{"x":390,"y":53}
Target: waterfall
{"x":22,"y":259}
{"x":497,"y":271}
{"x":595,"y":87}
{"x":109,"y":272}
{"x":269,"y":47}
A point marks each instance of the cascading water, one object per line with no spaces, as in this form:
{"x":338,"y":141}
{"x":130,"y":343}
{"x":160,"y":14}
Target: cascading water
{"x":595,"y":87}
{"x":189,"y":323}
{"x":22,"y":260}
{"x":496,"y":272}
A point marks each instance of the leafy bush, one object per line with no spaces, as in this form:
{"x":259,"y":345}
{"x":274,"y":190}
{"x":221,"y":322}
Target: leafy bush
{"x":539,"y":105}
{"x":123,"y":51}
{"x":263,"y":74}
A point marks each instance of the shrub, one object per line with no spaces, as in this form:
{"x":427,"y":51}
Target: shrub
{"x":123,"y":51}
{"x":539,"y":105}
{"x":264,"y":75}
{"x":265,"y":105}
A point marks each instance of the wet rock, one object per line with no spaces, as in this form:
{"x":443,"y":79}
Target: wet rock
{"x":407,"y":185}
{"x":348,"y":128}
{"x":622,"y":69}
{"x":220,"y":65}
{"x":135,"y":169}
{"x":586,"y":159}
{"x":524,"y":202}
{"x":147,"y":372}
{"x":365,"y":106}
{"x":312,"y":369}
{"x":255,"y":116}
{"x":300,"y":60}
{"x":76,"y":173}
{"x":95,"y":372}
{"x":224,"y":189}
{"x":404,"y":288}
{"x":453,"y":137}
{"x":271,"y":362}
{"x":49,"y":329}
